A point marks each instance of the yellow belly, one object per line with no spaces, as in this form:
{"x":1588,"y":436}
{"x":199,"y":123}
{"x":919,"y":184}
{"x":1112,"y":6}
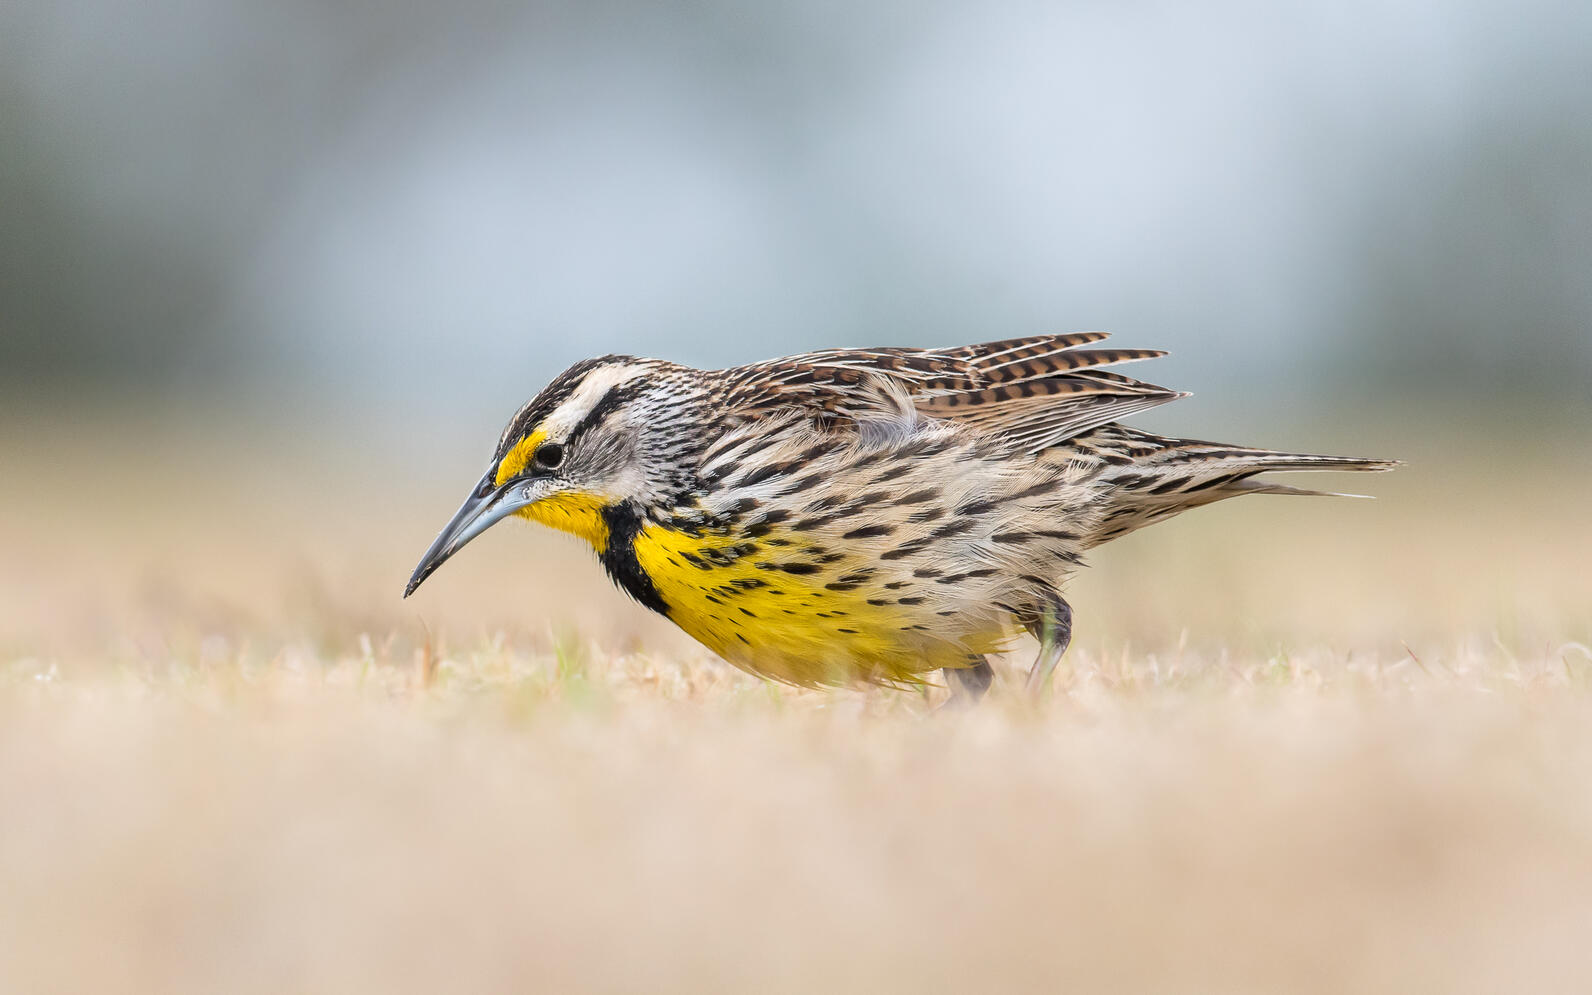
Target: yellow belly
{"x":802,"y":629}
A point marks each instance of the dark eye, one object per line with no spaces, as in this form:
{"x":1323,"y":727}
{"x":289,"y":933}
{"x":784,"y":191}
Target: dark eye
{"x":549,"y":454}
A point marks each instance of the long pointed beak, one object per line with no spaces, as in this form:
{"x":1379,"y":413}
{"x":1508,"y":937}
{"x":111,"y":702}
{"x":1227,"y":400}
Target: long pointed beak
{"x":485,"y":506}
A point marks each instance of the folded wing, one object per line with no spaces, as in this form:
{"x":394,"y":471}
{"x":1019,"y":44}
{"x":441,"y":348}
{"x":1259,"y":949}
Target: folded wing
{"x":1028,"y":393}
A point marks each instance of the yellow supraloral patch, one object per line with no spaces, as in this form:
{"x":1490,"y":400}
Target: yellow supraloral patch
{"x":517,"y":459}
{"x":791,"y":627}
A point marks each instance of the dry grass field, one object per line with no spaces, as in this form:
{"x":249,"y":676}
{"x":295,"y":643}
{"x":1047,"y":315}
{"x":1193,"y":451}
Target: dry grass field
{"x":1299,"y":745}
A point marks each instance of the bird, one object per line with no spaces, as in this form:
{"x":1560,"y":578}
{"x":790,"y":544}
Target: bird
{"x":851,"y":517}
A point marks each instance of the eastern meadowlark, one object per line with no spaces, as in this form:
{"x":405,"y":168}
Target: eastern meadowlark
{"x":857,"y":515}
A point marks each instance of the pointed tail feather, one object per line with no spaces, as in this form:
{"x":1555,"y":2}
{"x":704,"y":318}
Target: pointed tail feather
{"x":1166,"y":477}
{"x":1255,"y":486}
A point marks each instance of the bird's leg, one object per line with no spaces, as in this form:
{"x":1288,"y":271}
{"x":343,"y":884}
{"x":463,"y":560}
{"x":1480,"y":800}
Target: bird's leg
{"x":969,"y":683}
{"x":1053,"y":629}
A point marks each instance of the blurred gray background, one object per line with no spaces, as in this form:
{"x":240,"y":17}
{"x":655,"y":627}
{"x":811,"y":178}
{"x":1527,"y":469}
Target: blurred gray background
{"x":403,"y":213}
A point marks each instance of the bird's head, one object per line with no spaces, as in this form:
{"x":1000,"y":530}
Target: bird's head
{"x":605,"y":432}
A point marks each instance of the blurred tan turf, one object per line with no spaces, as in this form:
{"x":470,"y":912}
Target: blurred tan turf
{"x":1300,"y":745}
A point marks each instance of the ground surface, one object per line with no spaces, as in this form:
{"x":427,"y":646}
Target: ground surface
{"x":1300,"y":745}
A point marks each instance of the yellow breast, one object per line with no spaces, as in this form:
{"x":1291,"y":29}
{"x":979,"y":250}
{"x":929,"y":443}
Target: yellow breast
{"x":814,"y":628}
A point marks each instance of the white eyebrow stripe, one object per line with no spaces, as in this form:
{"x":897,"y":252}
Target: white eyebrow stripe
{"x":596,"y":385}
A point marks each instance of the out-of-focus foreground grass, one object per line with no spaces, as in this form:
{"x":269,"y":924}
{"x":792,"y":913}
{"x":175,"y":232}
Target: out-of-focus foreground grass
{"x":1299,"y":745}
